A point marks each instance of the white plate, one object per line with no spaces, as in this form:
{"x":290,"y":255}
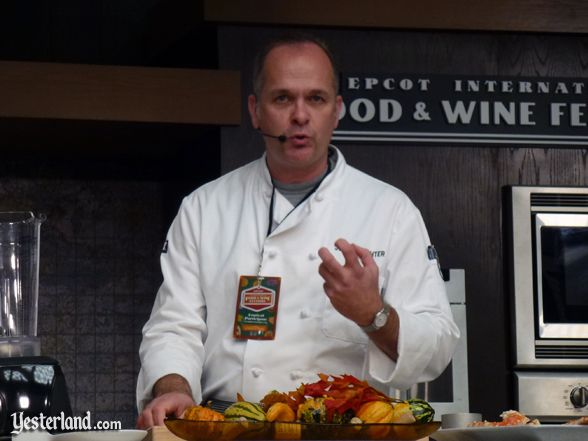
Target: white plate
{"x":102,"y":435}
{"x":514,"y":433}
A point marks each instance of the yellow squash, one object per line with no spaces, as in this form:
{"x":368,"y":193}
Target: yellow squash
{"x":280,"y":412}
{"x":375,"y":412}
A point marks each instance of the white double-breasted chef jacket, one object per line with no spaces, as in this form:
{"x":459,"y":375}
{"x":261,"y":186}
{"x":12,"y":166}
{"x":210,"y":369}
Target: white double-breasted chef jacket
{"x":220,"y":233}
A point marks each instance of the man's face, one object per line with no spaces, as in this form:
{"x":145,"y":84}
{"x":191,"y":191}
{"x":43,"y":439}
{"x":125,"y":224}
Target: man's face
{"x":297,"y":99}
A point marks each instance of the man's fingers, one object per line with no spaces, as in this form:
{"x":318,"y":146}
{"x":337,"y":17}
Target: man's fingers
{"x":142,"y":422}
{"x":324,"y":272}
{"x":356,"y":258}
{"x":325,"y":254}
{"x":158,"y":416}
{"x":169,"y":403}
{"x":329,"y":262}
{"x":349,"y":253}
{"x":179,"y":411}
{"x":365,"y":255}
{"x":330,"y":279}
{"x":328,"y":290}
{"x":145,"y":420}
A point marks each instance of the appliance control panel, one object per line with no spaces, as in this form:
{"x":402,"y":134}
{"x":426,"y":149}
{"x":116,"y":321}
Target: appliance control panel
{"x":552,"y":395}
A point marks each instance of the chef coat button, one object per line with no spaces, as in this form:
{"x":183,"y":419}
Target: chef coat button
{"x":312,"y":256}
{"x":271,"y":254}
{"x":305,"y":313}
{"x":295,"y":375}
{"x":256,"y":372}
{"x":319,"y":197}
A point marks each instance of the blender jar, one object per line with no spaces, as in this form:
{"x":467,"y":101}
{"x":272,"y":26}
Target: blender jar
{"x":19,"y":283}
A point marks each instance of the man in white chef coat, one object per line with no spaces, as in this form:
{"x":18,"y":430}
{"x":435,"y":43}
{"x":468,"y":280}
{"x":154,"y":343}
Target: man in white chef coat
{"x":292,"y":265}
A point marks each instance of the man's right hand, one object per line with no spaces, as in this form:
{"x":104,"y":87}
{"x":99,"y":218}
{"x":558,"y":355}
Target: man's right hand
{"x":172,"y":395}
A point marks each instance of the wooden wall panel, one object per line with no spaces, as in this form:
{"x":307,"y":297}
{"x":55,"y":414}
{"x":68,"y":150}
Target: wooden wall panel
{"x":527,"y":166}
{"x":542,"y":55}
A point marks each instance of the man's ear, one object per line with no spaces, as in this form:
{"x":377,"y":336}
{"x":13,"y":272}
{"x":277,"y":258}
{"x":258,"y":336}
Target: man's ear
{"x":252,"y":106}
{"x":338,"y":108}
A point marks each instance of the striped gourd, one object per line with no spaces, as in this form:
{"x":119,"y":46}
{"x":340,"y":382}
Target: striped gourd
{"x":421,"y":410}
{"x":245,"y":410}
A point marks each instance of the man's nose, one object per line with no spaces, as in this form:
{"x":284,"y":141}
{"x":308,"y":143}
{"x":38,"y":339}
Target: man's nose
{"x":300,"y":113}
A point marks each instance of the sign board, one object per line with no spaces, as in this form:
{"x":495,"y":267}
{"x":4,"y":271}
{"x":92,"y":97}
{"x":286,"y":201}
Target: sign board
{"x":463,"y":109}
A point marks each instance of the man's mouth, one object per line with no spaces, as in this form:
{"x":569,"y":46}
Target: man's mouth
{"x":299,"y":138}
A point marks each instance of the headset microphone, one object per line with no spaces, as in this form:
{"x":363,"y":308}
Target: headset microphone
{"x":282,"y":138}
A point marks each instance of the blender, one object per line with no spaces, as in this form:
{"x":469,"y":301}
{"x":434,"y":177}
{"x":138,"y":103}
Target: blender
{"x":19,"y":283}
{"x":30,"y":384}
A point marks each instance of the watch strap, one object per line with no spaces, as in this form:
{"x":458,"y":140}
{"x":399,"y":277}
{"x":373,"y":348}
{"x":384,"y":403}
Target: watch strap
{"x":379,"y":321}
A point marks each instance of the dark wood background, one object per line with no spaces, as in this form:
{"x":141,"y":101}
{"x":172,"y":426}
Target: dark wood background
{"x":457,"y":188}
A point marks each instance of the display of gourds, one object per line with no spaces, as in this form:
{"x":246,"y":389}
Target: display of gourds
{"x":332,"y":399}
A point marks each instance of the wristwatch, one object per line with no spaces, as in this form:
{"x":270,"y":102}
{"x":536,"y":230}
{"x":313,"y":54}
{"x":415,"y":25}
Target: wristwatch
{"x":380,"y":320}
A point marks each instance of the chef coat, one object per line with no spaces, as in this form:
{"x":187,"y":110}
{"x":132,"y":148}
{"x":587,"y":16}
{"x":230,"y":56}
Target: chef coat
{"x":220,"y":233}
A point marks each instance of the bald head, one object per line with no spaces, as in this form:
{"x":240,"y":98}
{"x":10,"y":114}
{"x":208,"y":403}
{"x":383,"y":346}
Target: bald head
{"x":293,"y":40}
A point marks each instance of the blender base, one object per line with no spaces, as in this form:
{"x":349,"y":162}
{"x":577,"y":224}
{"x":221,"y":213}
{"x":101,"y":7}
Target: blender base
{"x":20,"y":347}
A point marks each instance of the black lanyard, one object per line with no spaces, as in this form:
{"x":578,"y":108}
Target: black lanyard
{"x":312,"y":190}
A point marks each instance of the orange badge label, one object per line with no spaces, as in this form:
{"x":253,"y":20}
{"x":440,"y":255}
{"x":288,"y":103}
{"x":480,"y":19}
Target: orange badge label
{"x":257,"y":308}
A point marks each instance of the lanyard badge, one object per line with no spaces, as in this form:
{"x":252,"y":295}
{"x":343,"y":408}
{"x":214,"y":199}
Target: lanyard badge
{"x":257,"y":308}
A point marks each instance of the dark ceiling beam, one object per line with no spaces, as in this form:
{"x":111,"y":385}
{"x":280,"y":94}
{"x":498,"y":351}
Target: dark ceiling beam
{"x":564,"y":16}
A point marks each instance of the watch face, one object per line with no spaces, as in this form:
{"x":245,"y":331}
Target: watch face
{"x":380,"y":319}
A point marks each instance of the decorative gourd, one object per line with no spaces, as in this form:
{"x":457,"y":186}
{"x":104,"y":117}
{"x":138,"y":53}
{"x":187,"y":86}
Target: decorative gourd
{"x":201,"y":413}
{"x":244,"y":410}
{"x":313,"y":410}
{"x":421,"y":410}
{"x":402,"y":413}
{"x":375,"y":412}
{"x":280,"y":412}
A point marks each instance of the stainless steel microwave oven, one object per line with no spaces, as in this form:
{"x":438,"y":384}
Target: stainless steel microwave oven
{"x":547,"y":231}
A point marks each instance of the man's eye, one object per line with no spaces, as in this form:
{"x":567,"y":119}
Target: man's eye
{"x":317,"y":99}
{"x":281,"y":99}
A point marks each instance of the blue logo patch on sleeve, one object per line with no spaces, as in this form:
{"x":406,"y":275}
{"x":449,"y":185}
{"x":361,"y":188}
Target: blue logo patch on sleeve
{"x":432,"y":253}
